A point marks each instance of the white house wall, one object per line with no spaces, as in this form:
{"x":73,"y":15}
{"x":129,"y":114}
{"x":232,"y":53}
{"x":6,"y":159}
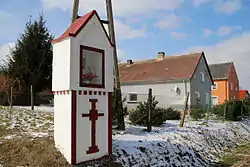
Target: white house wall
{"x":88,"y":36}
{"x":61,"y":65}
{"x":164,"y":93}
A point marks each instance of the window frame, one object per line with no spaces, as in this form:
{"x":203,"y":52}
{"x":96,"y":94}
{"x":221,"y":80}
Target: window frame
{"x":217,"y":100}
{"x":216,"y":86}
{"x":199,"y":95}
{"x":81,"y":84}
{"x":129,"y":97}
{"x":202,"y":75}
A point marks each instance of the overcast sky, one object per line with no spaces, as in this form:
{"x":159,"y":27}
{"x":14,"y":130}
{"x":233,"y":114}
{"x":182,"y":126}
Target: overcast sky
{"x":221,"y":28}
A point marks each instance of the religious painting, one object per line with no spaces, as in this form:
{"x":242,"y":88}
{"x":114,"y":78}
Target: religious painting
{"x":91,"y":67}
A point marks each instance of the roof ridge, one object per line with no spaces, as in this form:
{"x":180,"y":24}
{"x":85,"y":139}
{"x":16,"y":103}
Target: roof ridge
{"x":165,"y":58}
{"x":228,"y":62}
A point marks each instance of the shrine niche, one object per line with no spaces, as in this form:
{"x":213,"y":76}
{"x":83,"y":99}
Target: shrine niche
{"x":91,"y":67}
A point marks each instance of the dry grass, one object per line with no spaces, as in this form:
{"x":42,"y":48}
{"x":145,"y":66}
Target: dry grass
{"x":39,"y":152}
{"x":239,"y":157}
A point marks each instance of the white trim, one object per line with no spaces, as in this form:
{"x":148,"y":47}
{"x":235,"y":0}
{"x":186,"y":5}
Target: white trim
{"x":216,"y":87}
{"x":217,"y":97}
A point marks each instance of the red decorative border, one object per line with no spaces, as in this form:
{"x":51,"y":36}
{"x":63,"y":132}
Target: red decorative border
{"x":80,"y":92}
{"x":73,"y":126}
{"x":74,"y":123}
{"x":83,"y":47}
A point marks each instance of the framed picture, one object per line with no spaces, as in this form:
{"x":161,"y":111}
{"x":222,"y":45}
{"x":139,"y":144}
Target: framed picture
{"x":92,"y":67}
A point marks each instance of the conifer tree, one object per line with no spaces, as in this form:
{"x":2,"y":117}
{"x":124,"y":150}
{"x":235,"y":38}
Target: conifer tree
{"x":30,"y":60}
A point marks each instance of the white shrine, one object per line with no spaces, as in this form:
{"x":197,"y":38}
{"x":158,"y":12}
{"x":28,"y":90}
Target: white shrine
{"x":82,"y":85}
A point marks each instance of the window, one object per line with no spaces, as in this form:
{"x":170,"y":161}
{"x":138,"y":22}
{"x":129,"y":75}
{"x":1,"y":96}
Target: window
{"x":214,"y":100}
{"x":92,"y":68}
{"x":207,"y":98}
{"x":202,"y":77}
{"x":214,"y":86}
{"x":133,"y":97}
{"x":232,"y":86}
{"x":197,"y":95}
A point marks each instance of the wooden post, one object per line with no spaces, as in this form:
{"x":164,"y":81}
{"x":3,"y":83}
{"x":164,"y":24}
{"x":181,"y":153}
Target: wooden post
{"x":11,"y":96}
{"x":31,"y":97}
{"x":225,"y":111}
{"x":111,"y":28}
{"x":208,"y":108}
{"x":184,"y":112}
{"x":149,"y":129}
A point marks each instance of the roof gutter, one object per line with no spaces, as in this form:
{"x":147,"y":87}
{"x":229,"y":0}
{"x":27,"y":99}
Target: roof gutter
{"x":153,"y":82}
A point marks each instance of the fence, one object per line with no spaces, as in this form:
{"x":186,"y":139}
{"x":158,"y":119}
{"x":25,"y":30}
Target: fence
{"x":24,"y":99}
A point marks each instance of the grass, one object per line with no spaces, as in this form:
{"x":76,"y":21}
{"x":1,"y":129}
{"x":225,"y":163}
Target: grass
{"x":31,"y":152}
{"x":239,"y":157}
{"x":19,"y":145}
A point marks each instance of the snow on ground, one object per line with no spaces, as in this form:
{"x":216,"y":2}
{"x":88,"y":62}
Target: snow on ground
{"x":194,"y":145}
{"x":37,"y":123}
{"x":197,"y":144}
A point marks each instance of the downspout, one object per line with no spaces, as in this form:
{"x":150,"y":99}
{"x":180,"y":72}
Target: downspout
{"x":185,"y":82}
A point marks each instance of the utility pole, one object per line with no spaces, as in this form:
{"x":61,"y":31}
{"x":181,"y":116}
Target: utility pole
{"x":111,"y":28}
{"x":75,"y":10}
{"x":121,"y":124}
{"x":112,"y":37}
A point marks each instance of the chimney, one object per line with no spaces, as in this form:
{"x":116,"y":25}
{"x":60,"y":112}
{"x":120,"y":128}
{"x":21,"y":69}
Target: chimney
{"x":129,"y":62}
{"x":161,"y":55}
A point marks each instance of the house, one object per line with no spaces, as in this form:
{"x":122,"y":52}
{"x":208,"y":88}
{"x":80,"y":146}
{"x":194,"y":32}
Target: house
{"x":226,"y":83}
{"x":170,"y":77}
{"x":243,"y":94}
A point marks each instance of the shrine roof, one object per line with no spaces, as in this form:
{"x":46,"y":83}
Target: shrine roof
{"x":76,"y":27}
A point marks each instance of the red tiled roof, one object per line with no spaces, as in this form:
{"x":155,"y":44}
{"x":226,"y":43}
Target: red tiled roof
{"x":78,"y":25}
{"x":170,"y":68}
{"x":242,"y":93}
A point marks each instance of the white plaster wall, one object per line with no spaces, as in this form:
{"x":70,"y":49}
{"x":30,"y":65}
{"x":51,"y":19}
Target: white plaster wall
{"x":163,"y":92}
{"x":92,"y":35}
{"x":62,"y":124}
{"x":84,"y":127}
{"x":61,"y":66}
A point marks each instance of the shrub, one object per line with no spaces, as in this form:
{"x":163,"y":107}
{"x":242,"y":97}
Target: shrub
{"x":197,"y":111}
{"x":246,"y":104}
{"x":171,"y":114}
{"x":218,"y":110}
{"x":235,"y":110}
{"x":140,"y":115}
{"x":117,"y":111}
